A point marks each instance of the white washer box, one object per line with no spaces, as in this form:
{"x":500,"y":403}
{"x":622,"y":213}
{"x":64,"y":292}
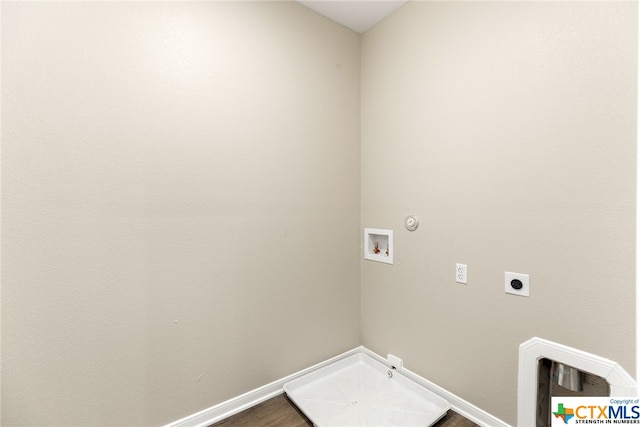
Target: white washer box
{"x":378,"y":245}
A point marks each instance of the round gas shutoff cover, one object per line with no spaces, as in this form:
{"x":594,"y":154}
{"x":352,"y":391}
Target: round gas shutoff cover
{"x":411,"y":223}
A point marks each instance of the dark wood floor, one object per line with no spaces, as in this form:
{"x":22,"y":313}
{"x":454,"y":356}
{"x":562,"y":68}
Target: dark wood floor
{"x":281,"y":412}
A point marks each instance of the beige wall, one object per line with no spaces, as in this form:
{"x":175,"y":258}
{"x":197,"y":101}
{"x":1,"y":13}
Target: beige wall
{"x":509,"y":128}
{"x":181,"y":197}
{"x":180,"y":205}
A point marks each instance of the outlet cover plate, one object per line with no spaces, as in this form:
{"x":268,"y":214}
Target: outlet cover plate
{"x":509,"y":277}
{"x":461,"y":273}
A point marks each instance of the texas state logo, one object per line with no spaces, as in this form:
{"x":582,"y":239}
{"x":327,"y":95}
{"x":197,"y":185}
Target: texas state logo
{"x":565,"y":414}
{"x":594,"y":410}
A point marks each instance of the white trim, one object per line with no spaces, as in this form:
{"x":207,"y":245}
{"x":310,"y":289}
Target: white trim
{"x":459,"y":405}
{"x":620,"y":382}
{"x":240,"y":403}
{"x":237,"y":404}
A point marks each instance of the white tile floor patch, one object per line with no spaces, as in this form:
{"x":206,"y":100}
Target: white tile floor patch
{"x":357,"y":391}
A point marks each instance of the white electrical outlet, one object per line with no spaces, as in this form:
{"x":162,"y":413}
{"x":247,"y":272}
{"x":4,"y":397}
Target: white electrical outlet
{"x":516,"y":283}
{"x":461,"y":273}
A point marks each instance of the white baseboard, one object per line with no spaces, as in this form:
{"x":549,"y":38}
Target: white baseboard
{"x":240,"y":403}
{"x":459,"y":405}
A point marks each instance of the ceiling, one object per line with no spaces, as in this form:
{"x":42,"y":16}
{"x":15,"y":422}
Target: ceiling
{"x":359,"y":15}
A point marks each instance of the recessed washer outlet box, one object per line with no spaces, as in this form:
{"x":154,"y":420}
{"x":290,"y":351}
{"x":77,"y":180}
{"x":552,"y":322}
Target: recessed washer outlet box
{"x":378,"y":245}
